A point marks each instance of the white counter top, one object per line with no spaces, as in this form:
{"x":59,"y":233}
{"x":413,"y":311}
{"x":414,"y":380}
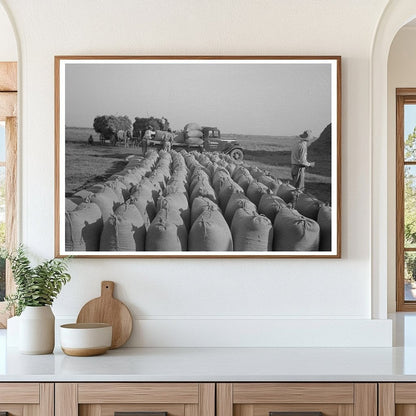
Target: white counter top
{"x":221,"y":364}
{"x":215,"y":364}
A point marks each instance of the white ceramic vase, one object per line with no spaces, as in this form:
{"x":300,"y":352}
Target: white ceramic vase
{"x":37,"y":330}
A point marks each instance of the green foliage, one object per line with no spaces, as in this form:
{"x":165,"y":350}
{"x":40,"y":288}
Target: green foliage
{"x":38,"y":285}
{"x":410,"y":146}
{"x":410,"y":269}
{"x":410,"y":208}
{"x":410,"y":192}
{"x":410,"y":205}
{"x":108,"y":126}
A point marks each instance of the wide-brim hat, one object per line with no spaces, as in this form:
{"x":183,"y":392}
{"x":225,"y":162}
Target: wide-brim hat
{"x":306,"y":135}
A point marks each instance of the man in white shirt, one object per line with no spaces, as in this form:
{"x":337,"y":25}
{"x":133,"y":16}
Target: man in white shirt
{"x":146,"y":138}
{"x":167,"y":141}
{"x":299,"y":160}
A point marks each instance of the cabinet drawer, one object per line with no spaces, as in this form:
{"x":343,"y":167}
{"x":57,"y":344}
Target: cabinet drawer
{"x":21,"y":399}
{"x":297,"y":399}
{"x":147,"y":399}
{"x":397,"y":399}
{"x":138,"y":393}
{"x":19,"y":393}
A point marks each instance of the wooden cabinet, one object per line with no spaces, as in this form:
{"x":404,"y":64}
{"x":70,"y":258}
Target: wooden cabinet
{"x":208,"y":399}
{"x":106,"y":399}
{"x":331,"y":399}
{"x":397,"y":399}
{"x":27,"y":399}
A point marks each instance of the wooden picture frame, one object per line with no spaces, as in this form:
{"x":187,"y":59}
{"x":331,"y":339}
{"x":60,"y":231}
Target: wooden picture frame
{"x":278,"y":113}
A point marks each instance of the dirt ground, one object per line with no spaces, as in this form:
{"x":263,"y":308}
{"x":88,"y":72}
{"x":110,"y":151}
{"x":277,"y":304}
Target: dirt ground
{"x":87,"y":164}
{"x":273,"y":155}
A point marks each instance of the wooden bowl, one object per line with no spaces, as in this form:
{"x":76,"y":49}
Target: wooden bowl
{"x":84,"y":340}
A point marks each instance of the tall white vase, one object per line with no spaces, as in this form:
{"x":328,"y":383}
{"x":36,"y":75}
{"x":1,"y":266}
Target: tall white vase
{"x":37,"y":330}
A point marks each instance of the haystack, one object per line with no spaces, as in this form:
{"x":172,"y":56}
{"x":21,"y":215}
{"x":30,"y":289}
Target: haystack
{"x":320,"y":152}
{"x":320,"y":149}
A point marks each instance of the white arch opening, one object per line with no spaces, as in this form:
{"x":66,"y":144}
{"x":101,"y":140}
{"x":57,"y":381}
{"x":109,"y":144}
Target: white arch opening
{"x":8,"y":44}
{"x":396,"y":15}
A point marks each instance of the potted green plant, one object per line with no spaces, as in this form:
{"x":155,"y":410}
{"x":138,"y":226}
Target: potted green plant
{"x":36,"y":289}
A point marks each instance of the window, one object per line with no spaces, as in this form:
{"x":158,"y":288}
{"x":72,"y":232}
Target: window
{"x":8,"y":169}
{"x":2,"y":207}
{"x":406,"y":199}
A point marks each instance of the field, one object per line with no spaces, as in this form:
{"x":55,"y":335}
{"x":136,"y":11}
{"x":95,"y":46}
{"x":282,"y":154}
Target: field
{"x":86,"y":164}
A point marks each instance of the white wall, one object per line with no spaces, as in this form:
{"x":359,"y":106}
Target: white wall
{"x":401,"y":74}
{"x":8,"y":47}
{"x":202,"y":299}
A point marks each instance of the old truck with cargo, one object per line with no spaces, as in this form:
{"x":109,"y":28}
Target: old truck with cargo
{"x":211,"y":142}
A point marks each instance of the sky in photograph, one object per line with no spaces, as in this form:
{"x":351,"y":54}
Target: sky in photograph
{"x":254,"y":99}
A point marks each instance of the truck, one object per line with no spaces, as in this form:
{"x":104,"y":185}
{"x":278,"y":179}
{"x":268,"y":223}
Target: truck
{"x":212,"y":142}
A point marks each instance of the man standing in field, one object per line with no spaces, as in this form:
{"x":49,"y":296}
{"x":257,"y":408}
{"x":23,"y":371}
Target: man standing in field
{"x":167,"y":141}
{"x":146,"y":138}
{"x":299,"y":160}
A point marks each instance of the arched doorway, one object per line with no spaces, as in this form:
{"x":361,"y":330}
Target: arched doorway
{"x":396,"y":15}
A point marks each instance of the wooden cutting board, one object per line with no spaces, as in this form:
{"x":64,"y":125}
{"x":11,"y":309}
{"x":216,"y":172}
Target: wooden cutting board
{"x":107,"y":309}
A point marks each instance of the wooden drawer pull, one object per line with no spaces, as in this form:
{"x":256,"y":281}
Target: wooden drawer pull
{"x":295,"y":414}
{"x":139,"y":414}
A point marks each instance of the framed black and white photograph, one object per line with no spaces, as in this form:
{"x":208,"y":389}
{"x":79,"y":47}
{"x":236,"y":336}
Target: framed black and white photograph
{"x":198,"y":156}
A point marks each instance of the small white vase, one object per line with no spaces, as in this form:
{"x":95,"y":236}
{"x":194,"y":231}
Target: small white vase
{"x":37,"y":330}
